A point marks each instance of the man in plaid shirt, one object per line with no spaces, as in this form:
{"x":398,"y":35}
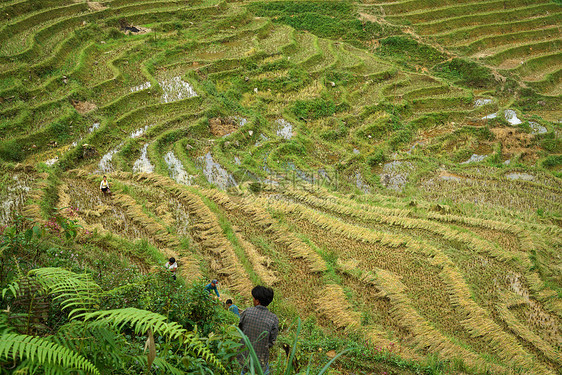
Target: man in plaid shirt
{"x":261,"y":326}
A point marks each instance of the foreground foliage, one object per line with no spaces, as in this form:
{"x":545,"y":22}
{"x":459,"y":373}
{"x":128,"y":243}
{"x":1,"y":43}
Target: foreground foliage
{"x":77,"y":297}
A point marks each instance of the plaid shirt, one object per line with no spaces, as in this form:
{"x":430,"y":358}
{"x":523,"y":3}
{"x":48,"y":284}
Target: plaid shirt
{"x":261,"y":326}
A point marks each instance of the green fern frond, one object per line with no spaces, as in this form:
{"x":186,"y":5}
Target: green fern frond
{"x":196,"y":346}
{"x":13,"y":288}
{"x":5,"y":326}
{"x":163,"y":365}
{"x":140,"y":320}
{"x":76,"y":292}
{"x":99,"y":343}
{"x":41,"y":351}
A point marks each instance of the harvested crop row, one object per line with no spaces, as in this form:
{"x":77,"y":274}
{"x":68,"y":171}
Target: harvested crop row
{"x":527,"y":335}
{"x":296,"y":247}
{"x":260,"y":263}
{"x":425,"y":336}
{"x":208,"y":232}
{"x":478,"y":322}
{"x":475,"y":317}
{"x":366,"y":214}
{"x":333,"y":304}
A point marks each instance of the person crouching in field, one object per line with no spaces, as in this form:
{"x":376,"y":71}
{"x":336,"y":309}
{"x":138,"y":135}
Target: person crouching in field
{"x":104,"y":186}
{"x":261,"y":326}
{"x":172,"y":266}
{"x":212,"y":286}
{"x":232,"y":307}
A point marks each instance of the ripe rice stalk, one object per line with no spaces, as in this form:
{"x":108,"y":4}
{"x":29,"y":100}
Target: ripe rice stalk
{"x":32,"y":210}
{"x":208,"y":232}
{"x":139,"y":217}
{"x":477,"y":321}
{"x":296,"y":247}
{"x":64,"y":201}
{"x":367,"y":214}
{"x":331,"y":224}
{"x":348,"y":265}
{"x":260,"y":263}
{"x":378,"y":337}
{"x":522,"y":234}
{"x":527,"y":335}
{"x":479,"y":324}
{"x":425,"y":336}
{"x":333,"y":304}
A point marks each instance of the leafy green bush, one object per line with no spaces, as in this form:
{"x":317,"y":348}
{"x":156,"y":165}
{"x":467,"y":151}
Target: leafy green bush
{"x":467,"y":73}
{"x":313,"y":109}
{"x":376,"y":158}
{"x":292,"y":147}
{"x":409,"y":50}
{"x":401,"y":138}
{"x":12,"y":150}
{"x":327,"y":19}
{"x":339,"y":130}
{"x":187,"y":304}
{"x":552,"y":161}
{"x":84,"y":343}
{"x":553,"y":145}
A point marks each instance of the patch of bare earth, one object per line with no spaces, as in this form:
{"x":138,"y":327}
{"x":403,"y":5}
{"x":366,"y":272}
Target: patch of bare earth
{"x":138,"y":30}
{"x":515,"y":142}
{"x":509,"y":64}
{"x":83,"y":107}
{"x":95,"y":6}
{"x":220,"y":127}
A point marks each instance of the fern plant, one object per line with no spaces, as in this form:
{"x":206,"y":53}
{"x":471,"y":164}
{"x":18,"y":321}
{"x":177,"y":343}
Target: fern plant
{"x":142,"y":321}
{"x":89,"y":334}
{"x":38,"y":350}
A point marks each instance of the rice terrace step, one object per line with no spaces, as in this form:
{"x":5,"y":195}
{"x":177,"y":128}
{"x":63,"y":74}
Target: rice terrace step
{"x":391,"y":168}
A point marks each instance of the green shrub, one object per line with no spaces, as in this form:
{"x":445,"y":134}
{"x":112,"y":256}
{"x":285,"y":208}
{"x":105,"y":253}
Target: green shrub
{"x":376,"y":158}
{"x":292,"y":147}
{"x":327,"y":19}
{"x":314,"y":109}
{"x":409,"y":50}
{"x":380,"y":127}
{"x":340,"y":78}
{"x":338,"y":131}
{"x":552,"y":144}
{"x":552,"y":161}
{"x":12,"y":150}
{"x":189,"y":304}
{"x":467,"y":73}
{"x":400,"y":138}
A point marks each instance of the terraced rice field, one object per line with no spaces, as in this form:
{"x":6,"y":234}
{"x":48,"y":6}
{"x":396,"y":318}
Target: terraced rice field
{"x":400,"y":181}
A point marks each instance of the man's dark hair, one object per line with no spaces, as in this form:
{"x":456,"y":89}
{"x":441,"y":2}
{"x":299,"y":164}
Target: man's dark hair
{"x":228,"y":301}
{"x":263,"y":294}
{"x":172,"y":260}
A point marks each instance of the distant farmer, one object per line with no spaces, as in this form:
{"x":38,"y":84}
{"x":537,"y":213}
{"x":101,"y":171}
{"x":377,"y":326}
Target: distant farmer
{"x":172,"y":266}
{"x":231,"y":307}
{"x":212,"y":286}
{"x":261,"y":326}
{"x":104,"y":186}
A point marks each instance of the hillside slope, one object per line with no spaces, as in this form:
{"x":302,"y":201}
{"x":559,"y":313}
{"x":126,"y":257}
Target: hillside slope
{"x":390,"y":168}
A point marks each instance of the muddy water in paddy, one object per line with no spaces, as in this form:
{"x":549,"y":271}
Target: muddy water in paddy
{"x":177,"y":171}
{"x":215,"y":173}
{"x":284,"y":129}
{"x":13,"y":197}
{"x":105,"y":165}
{"x":143,"y":164}
{"x":176,"y":89}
